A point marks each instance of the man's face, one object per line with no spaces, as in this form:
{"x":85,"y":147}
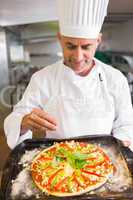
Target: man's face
{"x":78,"y":52}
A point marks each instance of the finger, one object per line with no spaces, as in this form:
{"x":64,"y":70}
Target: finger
{"x":45,"y":115}
{"x":42,"y":122}
{"x":34,"y":126}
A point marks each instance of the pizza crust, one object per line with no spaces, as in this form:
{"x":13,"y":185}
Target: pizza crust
{"x":65,"y":194}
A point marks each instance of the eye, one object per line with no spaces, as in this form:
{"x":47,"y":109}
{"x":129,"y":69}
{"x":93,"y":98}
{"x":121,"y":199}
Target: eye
{"x":87,"y":47}
{"x":71,"y":46}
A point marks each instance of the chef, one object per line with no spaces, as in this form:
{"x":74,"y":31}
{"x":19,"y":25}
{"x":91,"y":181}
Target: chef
{"x":78,"y":95}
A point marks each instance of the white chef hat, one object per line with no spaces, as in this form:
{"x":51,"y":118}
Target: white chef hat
{"x":81,"y":18}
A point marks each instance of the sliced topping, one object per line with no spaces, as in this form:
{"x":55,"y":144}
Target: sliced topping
{"x":34,"y":166}
{"x":60,"y":183}
{"x":54,"y":182}
{"x":72,"y":184}
{"x":53,"y":176}
{"x":66,"y":146}
{"x":95,"y":161}
{"x":80,"y":181}
{"x":37,"y":177}
{"x":68,"y":170}
{"x":71,"y":167}
{"x":92,"y":173}
{"x":44,"y":158}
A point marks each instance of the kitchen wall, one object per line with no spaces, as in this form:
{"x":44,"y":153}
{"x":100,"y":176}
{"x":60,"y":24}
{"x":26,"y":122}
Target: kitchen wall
{"x":120,"y":36}
{"x":40,"y":40}
{"x":4,"y":78}
{"x":11,"y":51}
{"x":44,"y":53}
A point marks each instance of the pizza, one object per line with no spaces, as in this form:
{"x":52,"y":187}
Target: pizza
{"x":71,"y":168}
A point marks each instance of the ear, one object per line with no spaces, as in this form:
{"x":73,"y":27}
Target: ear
{"x":59,"y":36}
{"x":99,"y":39}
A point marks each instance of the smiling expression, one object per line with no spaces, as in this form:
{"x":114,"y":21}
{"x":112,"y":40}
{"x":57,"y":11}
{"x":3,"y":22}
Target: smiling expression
{"x":78,"y":53}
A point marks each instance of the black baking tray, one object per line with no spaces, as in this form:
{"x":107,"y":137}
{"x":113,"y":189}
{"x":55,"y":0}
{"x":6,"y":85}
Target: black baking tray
{"x":12,"y":168}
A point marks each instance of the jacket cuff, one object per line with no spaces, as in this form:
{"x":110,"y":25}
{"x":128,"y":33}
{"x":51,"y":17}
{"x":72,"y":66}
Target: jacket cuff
{"x":12,"y":127}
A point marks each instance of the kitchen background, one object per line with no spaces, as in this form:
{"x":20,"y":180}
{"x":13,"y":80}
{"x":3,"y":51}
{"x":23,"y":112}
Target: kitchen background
{"x":28,"y":42}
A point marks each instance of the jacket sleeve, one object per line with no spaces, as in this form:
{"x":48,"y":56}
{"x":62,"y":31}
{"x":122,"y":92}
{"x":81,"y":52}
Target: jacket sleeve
{"x":12,"y":123}
{"x":123,"y":123}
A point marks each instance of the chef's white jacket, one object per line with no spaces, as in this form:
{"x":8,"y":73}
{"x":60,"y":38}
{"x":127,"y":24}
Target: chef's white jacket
{"x":98,"y":103}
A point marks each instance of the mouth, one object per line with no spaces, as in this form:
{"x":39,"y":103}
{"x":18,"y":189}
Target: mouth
{"x":78,"y":63}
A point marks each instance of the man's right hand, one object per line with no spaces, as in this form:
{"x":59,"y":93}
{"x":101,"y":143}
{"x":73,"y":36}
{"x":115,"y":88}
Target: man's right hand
{"x":38,"y":120}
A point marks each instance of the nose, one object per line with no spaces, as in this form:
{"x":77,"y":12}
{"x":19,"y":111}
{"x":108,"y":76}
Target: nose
{"x":78,"y":54}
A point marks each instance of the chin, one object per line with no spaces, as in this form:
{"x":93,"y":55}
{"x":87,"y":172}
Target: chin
{"x":78,"y":67}
{"x":78,"y":71}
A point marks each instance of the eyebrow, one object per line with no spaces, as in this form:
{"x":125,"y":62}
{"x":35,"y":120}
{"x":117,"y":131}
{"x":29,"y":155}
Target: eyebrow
{"x":84,"y":45}
{"x":69,"y":43}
